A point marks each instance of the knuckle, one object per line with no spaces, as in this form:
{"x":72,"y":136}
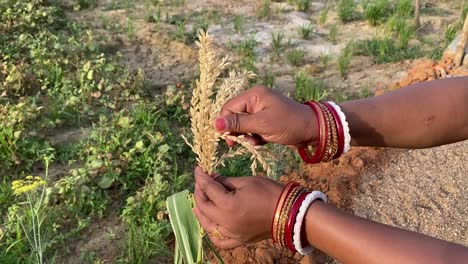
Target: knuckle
{"x":261,"y":89}
{"x":237,"y":125}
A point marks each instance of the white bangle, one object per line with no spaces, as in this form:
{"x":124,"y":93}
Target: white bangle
{"x":310,"y":198}
{"x":344,"y":123}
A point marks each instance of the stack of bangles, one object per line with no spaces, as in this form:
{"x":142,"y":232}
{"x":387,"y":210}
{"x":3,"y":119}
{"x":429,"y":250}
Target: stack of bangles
{"x":333,"y":134}
{"x":334,"y":140}
{"x":287,"y":225}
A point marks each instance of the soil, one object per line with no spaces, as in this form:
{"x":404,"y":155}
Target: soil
{"x":417,"y":190}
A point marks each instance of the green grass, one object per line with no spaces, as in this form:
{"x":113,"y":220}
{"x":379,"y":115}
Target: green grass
{"x":404,"y":8}
{"x":245,"y":50}
{"x":277,"y":43}
{"x":302,"y":5}
{"x":376,"y":11}
{"x":239,"y":23}
{"x":333,"y":34}
{"x":296,"y":57}
{"x":325,"y":60}
{"x":323,"y":16}
{"x":383,"y":50}
{"x":309,"y":89}
{"x":344,"y":60}
{"x":305,"y":31}
{"x":347,"y":10}
{"x":264,"y":9}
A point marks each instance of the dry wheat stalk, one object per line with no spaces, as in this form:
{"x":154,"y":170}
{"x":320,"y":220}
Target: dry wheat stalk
{"x":206,"y":103}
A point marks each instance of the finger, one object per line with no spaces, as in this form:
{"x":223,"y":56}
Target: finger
{"x":199,"y":194}
{"x":213,"y":189}
{"x":210,"y":226}
{"x":226,"y":243}
{"x":225,"y":182}
{"x":238,"y":123}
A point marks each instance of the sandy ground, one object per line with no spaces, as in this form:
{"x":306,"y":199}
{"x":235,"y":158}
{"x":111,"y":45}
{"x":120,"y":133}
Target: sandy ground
{"x":420,"y":190}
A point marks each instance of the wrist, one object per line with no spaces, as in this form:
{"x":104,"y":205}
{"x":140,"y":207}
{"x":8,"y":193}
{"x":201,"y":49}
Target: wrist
{"x":309,"y":125}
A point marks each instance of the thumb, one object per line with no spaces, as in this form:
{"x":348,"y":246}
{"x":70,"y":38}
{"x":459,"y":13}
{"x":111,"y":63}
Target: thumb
{"x":237,"y":123}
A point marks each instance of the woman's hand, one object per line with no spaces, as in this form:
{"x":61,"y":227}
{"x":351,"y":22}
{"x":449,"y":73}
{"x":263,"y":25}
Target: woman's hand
{"x":269,"y":115}
{"x":241,"y":209}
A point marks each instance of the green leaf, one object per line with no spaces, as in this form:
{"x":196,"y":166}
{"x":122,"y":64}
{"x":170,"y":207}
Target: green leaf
{"x":186,"y":228}
{"x":106,"y":181}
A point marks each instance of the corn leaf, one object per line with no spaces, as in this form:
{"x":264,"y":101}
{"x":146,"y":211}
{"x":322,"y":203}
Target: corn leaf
{"x":187,"y":230}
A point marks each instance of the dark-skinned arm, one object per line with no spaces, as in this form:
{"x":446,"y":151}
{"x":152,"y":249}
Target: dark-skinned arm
{"x":419,"y":116}
{"x":352,"y":239}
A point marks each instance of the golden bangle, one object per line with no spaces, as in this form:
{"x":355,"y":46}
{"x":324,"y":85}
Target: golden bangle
{"x":285,"y":212}
{"x":278,"y":209}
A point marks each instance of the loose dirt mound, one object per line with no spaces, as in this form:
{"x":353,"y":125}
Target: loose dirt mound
{"x":428,"y":70}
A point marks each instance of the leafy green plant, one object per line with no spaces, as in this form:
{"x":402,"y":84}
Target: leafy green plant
{"x":295,"y":56}
{"x":309,"y":89}
{"x":187,"y":230}
{"x":31,"y":213}
{"x":347,"y":10}
{"x":305,"y":30}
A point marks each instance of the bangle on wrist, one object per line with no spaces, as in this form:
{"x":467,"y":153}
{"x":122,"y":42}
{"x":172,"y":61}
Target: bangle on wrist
{"x":288,"y":229}
{"x":333,"y":133}
{"x":298,"y":226}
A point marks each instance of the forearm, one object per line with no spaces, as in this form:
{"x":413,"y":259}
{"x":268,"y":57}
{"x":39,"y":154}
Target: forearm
{"x":419,"y":116}
{"x":351,"y":239}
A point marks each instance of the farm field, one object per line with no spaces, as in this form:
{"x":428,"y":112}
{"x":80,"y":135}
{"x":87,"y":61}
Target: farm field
{"x":94,"y":99}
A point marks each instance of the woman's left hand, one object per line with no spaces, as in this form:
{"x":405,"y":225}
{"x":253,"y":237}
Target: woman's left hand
{"x":235,"y":211}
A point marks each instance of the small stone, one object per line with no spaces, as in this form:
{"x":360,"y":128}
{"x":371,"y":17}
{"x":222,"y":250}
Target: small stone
{"x":358,"y":163}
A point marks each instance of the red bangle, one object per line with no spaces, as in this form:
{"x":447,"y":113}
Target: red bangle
{"x":339,"y":128}
{"x":279,"y":205}
{"x":318,"y":155}
{"x":292,"y":220}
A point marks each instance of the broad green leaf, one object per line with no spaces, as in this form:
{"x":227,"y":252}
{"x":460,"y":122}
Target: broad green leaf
{"x":106,"y":181}
{"x":186,"y":228}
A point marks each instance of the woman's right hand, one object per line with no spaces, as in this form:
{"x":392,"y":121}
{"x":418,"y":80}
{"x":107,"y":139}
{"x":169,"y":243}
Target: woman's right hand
{"x":270,"y":116}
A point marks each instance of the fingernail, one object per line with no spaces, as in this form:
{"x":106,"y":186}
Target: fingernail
{"x":220,"y":124}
